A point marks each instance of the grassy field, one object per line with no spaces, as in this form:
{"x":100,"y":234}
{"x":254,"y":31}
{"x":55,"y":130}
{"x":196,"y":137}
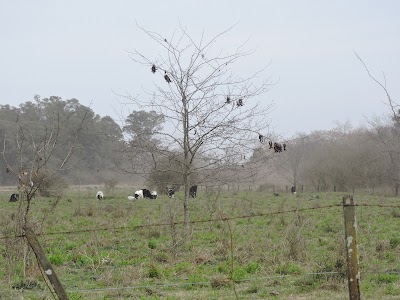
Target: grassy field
{"x":114,"y":249}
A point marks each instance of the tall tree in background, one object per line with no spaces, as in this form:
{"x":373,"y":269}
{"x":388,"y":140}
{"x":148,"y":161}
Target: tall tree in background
{"x":94,"y":146}
{"x":142,"y":125}
{"x":387,"y":133}
{"x":210,"y":111}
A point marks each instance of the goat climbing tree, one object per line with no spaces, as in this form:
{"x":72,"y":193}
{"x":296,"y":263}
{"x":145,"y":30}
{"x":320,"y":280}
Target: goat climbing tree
{"x":212,"y":114}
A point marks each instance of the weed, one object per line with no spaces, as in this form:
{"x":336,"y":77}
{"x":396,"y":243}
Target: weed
{"x":396,"y":213}
{"x":152,"y":244}
{"x":239,"y":274}
{"x":57,"y":259}
{"x":252,"y":267}
{"x":386,"y":278}
{"x":394,"y":242}
{"x":252,"y":290}
{"x":219,"y":282}
{"x":154,"y":272}
{"x":288,"y":268}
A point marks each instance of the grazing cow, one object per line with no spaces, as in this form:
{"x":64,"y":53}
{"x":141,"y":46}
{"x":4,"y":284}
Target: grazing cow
{"x":99,"y":195}
{"x":171,"y":192}
{"x":14,"y":197}
{"x":293,"y":189}
{"x":193,"y":191}
{"x":146,"y":193}
{"x":139,"y":194}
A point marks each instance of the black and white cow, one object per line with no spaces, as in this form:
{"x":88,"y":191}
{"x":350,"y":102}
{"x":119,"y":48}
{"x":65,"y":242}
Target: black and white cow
{"x":145,"y":193}
{"x":193,"y":191}
{"x":99,"y":195}
{"x":14,"y":197}
{"x":170,"y":192}
{"x":139,"y":194}
{"x":293,"y":189}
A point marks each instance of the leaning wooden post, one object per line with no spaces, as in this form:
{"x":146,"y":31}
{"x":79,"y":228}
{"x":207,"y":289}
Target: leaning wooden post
{"x":350,"y":226}
{"x":45,"y":264}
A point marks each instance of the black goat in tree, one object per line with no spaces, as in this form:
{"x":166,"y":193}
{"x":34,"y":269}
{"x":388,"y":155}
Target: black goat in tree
{"x":166,"y":77}
{"x":153,"y":68}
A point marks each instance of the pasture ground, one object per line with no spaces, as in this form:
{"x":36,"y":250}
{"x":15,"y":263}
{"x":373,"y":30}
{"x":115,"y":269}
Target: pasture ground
{"x":288,"y":246}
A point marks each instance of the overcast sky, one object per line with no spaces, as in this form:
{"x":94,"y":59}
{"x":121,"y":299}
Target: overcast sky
{"x":78,"y":49}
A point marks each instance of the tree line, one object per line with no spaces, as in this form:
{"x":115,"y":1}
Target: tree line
{"x":344,"y":157}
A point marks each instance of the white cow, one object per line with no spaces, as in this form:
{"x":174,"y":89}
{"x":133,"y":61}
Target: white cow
{"x":99,"y":195}
{"x":139,"y":194}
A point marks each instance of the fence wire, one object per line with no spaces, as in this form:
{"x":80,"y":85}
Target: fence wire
{"x":200,"y":221}
{"x":210,"y":220}
{"x":180,"y":284}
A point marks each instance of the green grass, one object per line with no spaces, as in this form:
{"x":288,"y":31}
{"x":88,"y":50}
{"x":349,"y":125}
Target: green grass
{"x":270,"y":253}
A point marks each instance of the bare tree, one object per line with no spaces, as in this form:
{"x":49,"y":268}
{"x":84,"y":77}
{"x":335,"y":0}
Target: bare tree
{"x":212,"y":116}
{"x":289,"y":164}
{"x":34,"y":157}
{"x":387,"y":134}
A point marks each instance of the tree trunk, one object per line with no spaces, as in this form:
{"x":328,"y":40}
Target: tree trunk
{"x":186,"y":212}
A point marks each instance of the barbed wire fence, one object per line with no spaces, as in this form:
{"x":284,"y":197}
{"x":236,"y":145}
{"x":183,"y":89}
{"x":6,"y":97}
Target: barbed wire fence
{"x":221,"y":218}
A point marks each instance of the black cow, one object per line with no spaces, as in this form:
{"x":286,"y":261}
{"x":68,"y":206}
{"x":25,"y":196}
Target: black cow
{"x":293,"y":189}
{"x":193,"y":191}
{"x":146,"y":193}
{"x":14,"y":197}
{"x":170,"y":192}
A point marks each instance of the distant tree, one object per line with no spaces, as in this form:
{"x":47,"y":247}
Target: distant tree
{"x":289,"y":163}
{"x":209,"y":111}
{"x":143,"y":125}
{"x":387,"y":134}
{"x":94,"y":146}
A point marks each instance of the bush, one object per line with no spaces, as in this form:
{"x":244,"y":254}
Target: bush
{"x":53,"y":186}
{"x":110,"y":184}
{"x":154,"y":272}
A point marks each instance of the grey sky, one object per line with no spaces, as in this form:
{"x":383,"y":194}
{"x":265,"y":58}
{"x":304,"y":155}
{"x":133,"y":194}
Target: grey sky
{"x":77,"y":49}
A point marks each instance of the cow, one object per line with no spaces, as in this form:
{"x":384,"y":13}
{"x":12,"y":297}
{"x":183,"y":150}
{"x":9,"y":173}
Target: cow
{"x":145,"y":193}
{"x":99,"y":195}
{"x":139,"y":194}
{"x":193,"y":191}
{"x":170,"y":192}
{"x":293,"y":190}
{"x":14,"y":197}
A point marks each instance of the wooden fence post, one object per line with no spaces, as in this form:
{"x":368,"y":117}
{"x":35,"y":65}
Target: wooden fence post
{"x":350,"y":226}
{"x":45,"y":263}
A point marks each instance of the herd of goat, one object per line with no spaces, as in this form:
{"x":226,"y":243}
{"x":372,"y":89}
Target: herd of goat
{"x":139,"y":194}
{"x":145,"y":193}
